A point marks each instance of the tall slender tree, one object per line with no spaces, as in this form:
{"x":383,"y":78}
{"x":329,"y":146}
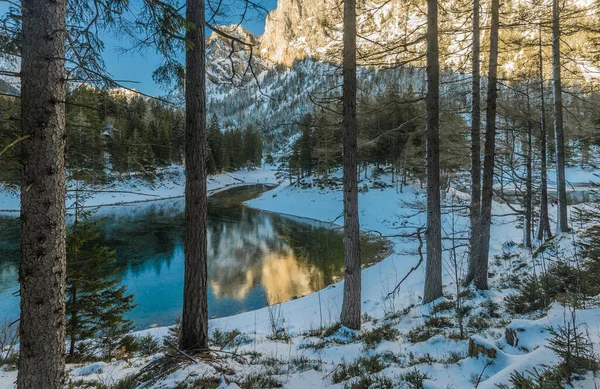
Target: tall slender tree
{"x":487,"y":190}
{"x":194,"y":320}
{"x":528,"y":200}
{"x":42,"y":272}
{"x":559,"y":132}
{"x":544,"y":224}
{"x":433,"y":274}
{"x":350,"y":316}
{"x":475,"y":209}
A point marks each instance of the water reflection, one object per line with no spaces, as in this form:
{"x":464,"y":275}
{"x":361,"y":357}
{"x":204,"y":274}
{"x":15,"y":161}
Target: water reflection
{"x":255,"y":258}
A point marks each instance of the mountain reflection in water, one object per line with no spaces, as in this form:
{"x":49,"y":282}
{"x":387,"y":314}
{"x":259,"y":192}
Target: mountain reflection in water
{"x":255,"y":258}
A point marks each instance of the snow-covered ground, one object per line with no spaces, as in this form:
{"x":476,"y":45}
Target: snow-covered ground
{"x":442,"y":359}
{"x":170,"y":183}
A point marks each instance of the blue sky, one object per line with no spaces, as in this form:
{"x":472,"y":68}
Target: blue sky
{"x":137,"y":66}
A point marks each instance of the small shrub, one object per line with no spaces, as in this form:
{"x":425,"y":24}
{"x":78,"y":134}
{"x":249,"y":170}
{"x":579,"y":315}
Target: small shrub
{"x":129,"y":382}
{"x":479,"y":322}
{"x":302,"y":363}
{"x":575,"y":350}
{"x":422,"y":333}
{"x":398,"y":314}
{"x":361,"y":366}
{"x":426,"y":359}
{"x":367,"y":381}
{"x":147,"y":345}
{"x":324,"y":332}
{"x":491,"y":308}
{"x":533,"y":379}
{"x":259,"y":381}
{"x":9,"y":337}
{"x":228,"y":339}
{"x":331,"y":330}
{"x":376,"y":335}
{"x":173,"y":335}
{"x":415,"y":378}
{"x":444,"y":306}
{"x":277,"y":324}
{"x":453,"y":357}
{"x":536,"y":293}
{"x":81,"y":384}
{"x":439,"y":322}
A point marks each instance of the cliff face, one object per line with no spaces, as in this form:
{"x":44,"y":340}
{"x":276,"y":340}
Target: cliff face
{"x":297,"y":29}
{"x":231,"y":63}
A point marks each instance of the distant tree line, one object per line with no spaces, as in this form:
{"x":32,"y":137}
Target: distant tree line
{"x":114,"y":131}
{"x":233,"y":149}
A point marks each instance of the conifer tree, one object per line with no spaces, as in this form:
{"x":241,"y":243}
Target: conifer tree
{"x":42,"y":270}
{"x":433,"y":273}
{"x":351,"y":305}
{"x":96,"y":302}
{"x":214,"y":140}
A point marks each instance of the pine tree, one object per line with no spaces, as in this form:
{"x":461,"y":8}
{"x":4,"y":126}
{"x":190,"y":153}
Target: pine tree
{"x":480,"y":272}
{"x":433,"y":235}
{"x":250,"y":144}
{"x":559,"y":134}
{"x":214,"y":140}
{"x":194,"y":319}
{"x":306,"y":145}
{"x":351,"y":305}
{"x":96,"y":303}
{"x":42,"y":271}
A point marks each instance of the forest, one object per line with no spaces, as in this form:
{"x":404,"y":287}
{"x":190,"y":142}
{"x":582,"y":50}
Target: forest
{"x":450,"y":149}
{"x":115,"y":133}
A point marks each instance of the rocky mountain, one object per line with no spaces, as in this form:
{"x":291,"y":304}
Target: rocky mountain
{"x":296,"y":60}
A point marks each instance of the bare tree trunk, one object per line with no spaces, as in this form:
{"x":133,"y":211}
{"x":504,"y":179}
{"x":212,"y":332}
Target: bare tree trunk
{"x":528,"y":179}
{"x":351,"y":306}
{"x":487,"y":192}
{"x":42,"y":273}
{"x":559,"y":134}
{"x":475,"y":209}
{"x":544,"y":225}
{"x":433,"y":273}
{"x":194,"y":321}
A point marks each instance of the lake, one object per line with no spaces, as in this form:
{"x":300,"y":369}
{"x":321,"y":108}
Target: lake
{"x":256,"y":258}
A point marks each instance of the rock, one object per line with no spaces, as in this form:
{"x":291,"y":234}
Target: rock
{"x":479,"y":346}
{"x":511,"y":337}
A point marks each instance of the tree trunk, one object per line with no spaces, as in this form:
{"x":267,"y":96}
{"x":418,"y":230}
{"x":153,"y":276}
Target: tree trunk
{"x":529,"y":179}
{"x":487,"y":191}
{"x":544,"y":225}
{"x":73,"y":322}
{"x":42,"y":272}
{"x":351,"y":306}
{"x":433,"y":274}
{"x":559,"y":135}
{"x":194,"y":321}
{"x":475,"y":209}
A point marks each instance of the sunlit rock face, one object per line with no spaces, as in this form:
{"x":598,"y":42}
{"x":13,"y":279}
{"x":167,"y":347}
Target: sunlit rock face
{"x":297,"y":29}
{"x":252,"y":254}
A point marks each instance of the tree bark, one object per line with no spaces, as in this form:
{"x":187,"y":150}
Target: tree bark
{"x":529,"y":179}
{"x":487,"y":191}
{"x":194,"y":321}
{"x":475,"y":209}
{"x":559,"y":135}
{"x":42,"y":272}
{"x":544,"y":230}
{"x":351,"y":305}
{"x":433,"y":273}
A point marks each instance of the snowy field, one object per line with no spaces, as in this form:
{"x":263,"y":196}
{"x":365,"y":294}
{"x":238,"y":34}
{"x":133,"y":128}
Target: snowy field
{"x":170,"y":183}
{"x":305,"y":360}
